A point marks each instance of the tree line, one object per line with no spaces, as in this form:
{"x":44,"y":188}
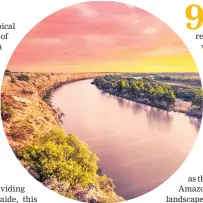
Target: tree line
{"x":143,"y":89}
{"x":148,"y":90}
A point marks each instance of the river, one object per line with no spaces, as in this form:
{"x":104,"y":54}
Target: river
{"x":138,"y":146}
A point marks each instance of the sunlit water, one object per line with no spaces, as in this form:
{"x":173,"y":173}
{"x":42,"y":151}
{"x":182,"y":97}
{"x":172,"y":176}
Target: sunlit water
{"x":139,"y":146}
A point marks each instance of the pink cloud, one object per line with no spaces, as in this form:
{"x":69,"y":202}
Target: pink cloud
{"x":93,"y":31}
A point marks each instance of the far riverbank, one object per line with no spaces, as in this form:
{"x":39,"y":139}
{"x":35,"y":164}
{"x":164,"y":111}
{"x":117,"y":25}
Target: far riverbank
{"x":149,"y":92}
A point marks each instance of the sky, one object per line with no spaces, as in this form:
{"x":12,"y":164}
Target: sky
{"x":101,"y":37}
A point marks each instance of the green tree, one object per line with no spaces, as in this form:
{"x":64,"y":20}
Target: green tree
{"x":198,"y":99}
{"x":61,"y":156}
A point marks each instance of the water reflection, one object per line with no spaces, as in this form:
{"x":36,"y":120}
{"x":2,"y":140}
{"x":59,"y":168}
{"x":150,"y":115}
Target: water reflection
{"x":195,"y":122}
{"x":139,"y":146}
{"x":154,"y":115}
{"x":121,"y":102}
{"x":159,"y":117}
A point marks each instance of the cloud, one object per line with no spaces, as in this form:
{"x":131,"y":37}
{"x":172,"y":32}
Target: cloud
{"x":86,"y":10}
{"x":98,"y":32}
{"x":150,"y":31}
{"x":168,"y":51}
{"x":45,"y":40}
{"x":130,"y":6}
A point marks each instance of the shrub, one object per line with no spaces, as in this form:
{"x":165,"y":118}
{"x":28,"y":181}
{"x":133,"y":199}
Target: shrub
{"x":61,"y":156}
{"x":23,"y":77}
{"x":5,"y":107}
{"x":6,"y":111}
{"x":198,"y":99}
{"x":24,"y":91}
{"x":9,"y":73}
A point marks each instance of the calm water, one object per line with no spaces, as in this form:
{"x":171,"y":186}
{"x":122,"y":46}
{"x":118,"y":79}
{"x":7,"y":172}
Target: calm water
{"x":138,"y":146}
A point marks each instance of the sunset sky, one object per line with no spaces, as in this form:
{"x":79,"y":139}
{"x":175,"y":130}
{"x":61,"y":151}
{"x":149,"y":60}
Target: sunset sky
{"x":101,"y":36}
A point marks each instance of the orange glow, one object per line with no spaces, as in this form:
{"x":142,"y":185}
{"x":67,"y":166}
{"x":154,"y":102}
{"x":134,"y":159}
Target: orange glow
{"x":101,"y":36}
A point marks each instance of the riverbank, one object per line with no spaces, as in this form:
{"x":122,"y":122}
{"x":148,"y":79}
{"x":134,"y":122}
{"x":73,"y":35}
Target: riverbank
{"x":179,"y":106}
{"x":127,"y":136}
{"x":146,"y":92}
{"x":32,"y":124}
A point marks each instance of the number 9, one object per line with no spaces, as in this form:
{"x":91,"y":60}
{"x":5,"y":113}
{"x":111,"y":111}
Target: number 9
{"x":198,"y":17}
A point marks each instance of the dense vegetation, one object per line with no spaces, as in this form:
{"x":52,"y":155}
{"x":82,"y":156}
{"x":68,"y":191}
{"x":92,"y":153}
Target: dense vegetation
{"x":197,"y":100}
{"x":186,"y":88}
{"x":148,"y":90}
{"x":60,"y":161}
{"x":66,"y":161}
{"x":187,"y":93}
{"x":143,"y":90}
{"x":61,"y":156}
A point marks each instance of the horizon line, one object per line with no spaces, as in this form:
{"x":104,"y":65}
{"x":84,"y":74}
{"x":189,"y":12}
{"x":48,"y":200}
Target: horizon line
{"x":197,"y":72}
